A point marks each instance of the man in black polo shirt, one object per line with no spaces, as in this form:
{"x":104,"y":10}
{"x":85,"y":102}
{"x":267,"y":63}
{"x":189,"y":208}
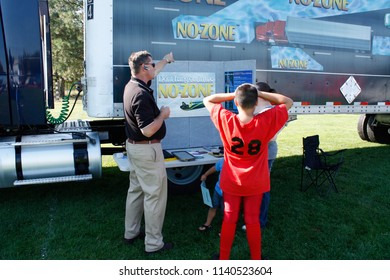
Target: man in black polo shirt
{"x":145,"y":128}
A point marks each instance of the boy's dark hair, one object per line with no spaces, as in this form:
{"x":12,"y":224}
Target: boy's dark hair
{"x":246,"y":96}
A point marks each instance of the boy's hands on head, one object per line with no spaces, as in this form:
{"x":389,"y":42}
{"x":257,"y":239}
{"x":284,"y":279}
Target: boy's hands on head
{"x":276,"y":98}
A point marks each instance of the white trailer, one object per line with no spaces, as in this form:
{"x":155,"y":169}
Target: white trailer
{"x":335,"y":60}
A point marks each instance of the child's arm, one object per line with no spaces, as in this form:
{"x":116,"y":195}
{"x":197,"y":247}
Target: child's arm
{"x":210,"y":171}
{"x":217,"y":98}
{"x":276,"y":98}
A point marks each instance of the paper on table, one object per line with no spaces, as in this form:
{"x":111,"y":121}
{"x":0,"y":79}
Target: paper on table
{"x":206,"y":194}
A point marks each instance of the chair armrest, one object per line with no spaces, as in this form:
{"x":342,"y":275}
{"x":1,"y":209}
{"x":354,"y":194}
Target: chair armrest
{"x":332,"y":153}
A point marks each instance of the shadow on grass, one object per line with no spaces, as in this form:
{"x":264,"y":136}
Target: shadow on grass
{"x":85,"y":220}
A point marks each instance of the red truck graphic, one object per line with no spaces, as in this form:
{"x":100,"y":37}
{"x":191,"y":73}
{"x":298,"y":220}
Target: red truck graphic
{"x":272,"y":32}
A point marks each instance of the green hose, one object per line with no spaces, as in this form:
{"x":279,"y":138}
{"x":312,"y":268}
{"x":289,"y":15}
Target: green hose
{"x":64,"y":114}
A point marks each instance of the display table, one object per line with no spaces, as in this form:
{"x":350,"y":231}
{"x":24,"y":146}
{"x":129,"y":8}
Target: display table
{"x":202,"y":155}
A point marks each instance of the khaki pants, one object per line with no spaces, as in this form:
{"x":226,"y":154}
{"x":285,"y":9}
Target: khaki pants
{"x":147,"y":193}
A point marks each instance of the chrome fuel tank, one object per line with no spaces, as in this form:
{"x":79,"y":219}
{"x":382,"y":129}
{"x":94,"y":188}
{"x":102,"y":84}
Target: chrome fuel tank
{"x":49,"y":158}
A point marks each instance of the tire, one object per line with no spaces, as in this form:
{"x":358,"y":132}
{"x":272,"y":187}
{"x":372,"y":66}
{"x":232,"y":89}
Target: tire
{"x":362,"y":127}
{"x":377,"y":133}
{"x":370,"y":128}
{"x":381,"y":134}
{"x":185,"y":180}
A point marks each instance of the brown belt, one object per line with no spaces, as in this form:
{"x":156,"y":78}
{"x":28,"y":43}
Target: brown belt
{"x":153,"y":141}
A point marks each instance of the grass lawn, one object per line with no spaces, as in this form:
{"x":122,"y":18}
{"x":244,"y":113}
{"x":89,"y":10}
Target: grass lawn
{"x":85,"y":220}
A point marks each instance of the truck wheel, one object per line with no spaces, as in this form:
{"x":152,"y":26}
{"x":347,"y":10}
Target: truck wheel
{"x":370,"y":128}
{"x":386,"y":135}
{"x":381,"y":134}
{"x":376,"y":133}
{"x":362,"y":127}
{"x":184,"y":180}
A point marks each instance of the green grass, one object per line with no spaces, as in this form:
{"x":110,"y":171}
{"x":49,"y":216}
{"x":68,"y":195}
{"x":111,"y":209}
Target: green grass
{"x":72,"y":221}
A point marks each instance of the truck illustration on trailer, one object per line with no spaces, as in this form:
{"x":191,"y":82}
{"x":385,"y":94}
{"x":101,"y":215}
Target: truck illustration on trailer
{"x":303,"y":32}
{"x":330,"y":57}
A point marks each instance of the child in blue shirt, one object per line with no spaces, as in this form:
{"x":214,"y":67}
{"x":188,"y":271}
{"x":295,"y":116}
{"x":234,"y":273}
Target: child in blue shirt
{"x":217,"y":199}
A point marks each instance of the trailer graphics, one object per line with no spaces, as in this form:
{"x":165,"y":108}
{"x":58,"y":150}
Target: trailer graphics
{"x":322,"y":43}
{"x":293,"y":58}
{"x":183,"y":92}
{"x":199,"y":28}
{"x":381,"y":45}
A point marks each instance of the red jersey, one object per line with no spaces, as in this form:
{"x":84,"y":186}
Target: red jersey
{"x":245,"y":171}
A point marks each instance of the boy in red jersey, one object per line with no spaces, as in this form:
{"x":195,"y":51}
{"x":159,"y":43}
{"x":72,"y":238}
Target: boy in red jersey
{"x":245,"y":139}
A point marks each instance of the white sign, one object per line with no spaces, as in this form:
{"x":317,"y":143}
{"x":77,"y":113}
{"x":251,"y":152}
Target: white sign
{"x":350,"y":89}
{"x":183,"y":92}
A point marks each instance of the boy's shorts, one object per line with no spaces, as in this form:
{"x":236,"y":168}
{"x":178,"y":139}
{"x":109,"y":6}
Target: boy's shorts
{"x":217,"y":201}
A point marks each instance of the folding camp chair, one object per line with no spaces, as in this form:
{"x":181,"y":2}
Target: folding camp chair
{"x":319,"y":168}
